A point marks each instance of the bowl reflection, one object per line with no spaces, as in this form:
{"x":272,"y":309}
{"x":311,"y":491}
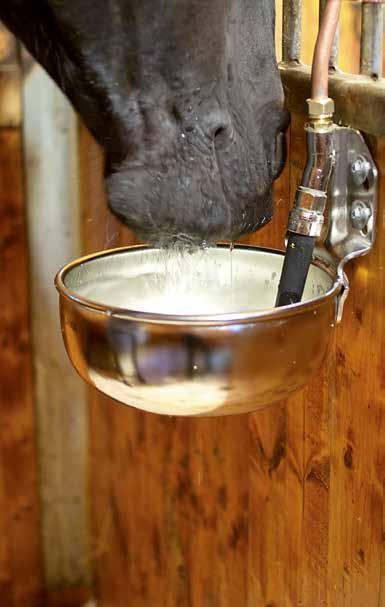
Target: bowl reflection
{"x":196,"y":335}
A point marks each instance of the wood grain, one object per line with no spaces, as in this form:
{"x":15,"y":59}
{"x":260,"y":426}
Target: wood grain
{"x":20,"y":556}
{"x":51,"y":176}
{"x":69,"y":597}
{"x":380,"y":464}
{"x":357,"y":442}
{"x":282,"y":508}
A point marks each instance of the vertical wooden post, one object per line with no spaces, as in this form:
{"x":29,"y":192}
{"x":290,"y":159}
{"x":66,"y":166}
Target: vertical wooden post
{"x":51,"y":168}
{"x":21,"y":580}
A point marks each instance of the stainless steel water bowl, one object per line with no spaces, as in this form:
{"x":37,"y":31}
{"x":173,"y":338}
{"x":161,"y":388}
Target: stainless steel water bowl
{"x":195,"y":334}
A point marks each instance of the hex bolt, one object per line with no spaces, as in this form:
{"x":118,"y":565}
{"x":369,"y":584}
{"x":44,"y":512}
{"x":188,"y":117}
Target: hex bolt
{"x":360,"y":170}
{"x":359,"y":215}
{"x":357,"y":165}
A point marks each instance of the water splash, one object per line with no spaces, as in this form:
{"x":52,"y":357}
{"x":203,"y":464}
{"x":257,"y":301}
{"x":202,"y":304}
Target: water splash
{"x":184,"y":278}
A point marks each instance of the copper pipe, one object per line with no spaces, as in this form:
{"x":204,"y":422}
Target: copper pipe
{"x":323,"y":50}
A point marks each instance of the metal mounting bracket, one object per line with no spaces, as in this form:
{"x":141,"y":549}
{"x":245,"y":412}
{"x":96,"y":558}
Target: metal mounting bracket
{"x":349,"y":229}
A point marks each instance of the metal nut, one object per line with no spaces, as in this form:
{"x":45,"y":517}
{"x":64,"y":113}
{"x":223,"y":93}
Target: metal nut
{"x":360,"y":170}
{"x":360,"y":214}
{"x":305,"y":222}
{"x":321,"y":107}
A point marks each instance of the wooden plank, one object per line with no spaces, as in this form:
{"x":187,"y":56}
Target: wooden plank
{"x":163,"y":498}
{"x":50,"y":136}
{"x":20,"y":557}
{"x":218,"y":511}
{"x":316,"y":489}
{"x":5,"y":564}
{"x":357,"y":442}
{"x":380,"y":157}
{"x":70,"y":597}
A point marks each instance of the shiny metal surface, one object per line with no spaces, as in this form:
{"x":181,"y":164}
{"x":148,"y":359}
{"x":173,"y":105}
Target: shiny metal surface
{"x":343,"y":239}
{"x":352,"y":195}
{"x":372,"y":39}
{"x":307,"y":216}
{"x":291,"y":30}
{"x":240,"y":357}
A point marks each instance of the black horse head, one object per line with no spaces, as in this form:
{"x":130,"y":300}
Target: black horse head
{"x":183,"y":95}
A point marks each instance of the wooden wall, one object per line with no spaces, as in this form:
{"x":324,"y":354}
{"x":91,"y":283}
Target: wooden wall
{"x":50,"y":136}
{"x":21,"y":579}
{"x":284,"y":508}
{"x":44,"y":557}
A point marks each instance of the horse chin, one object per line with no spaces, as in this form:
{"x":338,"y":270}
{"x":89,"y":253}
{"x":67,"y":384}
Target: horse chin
{"x":190,"y":206}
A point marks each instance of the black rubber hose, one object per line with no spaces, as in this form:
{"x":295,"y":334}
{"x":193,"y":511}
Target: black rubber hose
{"x":295,"y":269}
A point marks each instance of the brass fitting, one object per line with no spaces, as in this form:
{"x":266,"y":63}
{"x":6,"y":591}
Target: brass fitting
{"x":320,"y":107}
{"x":321,"y":110}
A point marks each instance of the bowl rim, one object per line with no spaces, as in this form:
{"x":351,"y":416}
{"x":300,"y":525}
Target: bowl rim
{"x":198,"y":319}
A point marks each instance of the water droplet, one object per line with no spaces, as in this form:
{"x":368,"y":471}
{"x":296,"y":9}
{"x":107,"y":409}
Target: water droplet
{"x":195,"y":367}
{"x":189,"y":109}
{"x":183,"y":135}
{"x":197,"y":90}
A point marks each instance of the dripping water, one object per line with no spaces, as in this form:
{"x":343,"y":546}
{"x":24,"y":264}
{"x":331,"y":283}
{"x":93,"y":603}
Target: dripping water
{"x":183,"y":278}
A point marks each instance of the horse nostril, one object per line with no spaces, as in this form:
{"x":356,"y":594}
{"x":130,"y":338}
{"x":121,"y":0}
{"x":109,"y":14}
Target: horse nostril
{"x":218,"y":132}
{"x":222,"y":137}
{"x":217,"y":127}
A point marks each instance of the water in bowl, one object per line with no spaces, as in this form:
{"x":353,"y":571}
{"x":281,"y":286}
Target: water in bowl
{"x":182,"y":283}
